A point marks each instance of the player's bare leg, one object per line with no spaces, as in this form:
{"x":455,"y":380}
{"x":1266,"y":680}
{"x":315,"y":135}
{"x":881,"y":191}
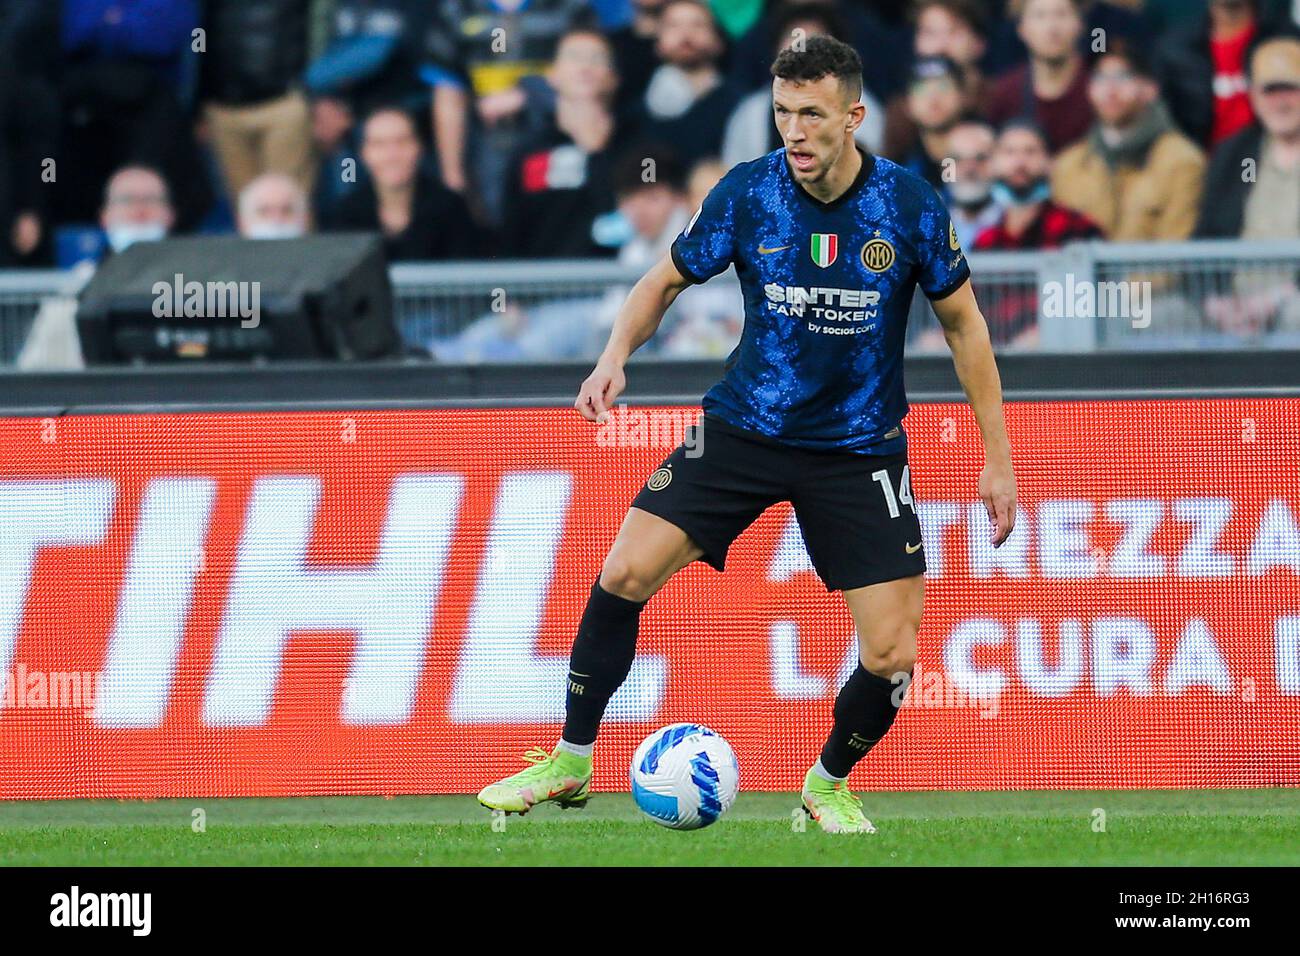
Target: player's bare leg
{"x":887,"y":617}
{"x":646,"y":553}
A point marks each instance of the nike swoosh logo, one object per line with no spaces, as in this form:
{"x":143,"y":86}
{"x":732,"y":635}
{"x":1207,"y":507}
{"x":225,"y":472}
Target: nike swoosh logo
{"x":910,"y":549}
{"x":763,"y":251}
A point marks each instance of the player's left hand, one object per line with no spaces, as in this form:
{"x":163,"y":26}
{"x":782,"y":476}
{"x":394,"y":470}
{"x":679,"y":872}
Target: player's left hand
{"x":997,"y":489}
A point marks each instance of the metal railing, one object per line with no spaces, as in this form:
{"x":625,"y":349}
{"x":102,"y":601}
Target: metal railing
{"x":1087,"y":296}
{"x":21,"y":295}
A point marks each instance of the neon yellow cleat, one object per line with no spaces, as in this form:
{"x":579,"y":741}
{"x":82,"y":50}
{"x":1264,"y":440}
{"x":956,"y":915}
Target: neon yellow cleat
{"x":834,"y":806}
{"x":559,"y":776}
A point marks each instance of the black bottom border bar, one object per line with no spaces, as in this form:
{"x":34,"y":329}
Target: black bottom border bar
{"x":493,"y":907}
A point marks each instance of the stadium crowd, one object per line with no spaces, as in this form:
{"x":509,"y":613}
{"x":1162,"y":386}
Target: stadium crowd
{"x":567,"y":128}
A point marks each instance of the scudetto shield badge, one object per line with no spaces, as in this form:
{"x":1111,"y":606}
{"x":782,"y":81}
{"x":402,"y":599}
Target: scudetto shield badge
{"x":825,"y":248}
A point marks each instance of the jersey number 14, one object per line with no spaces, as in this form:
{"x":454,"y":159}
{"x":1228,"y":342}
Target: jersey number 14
{"x":904,"y":490}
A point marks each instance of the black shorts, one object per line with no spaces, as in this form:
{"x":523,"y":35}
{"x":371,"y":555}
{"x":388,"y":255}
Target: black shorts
{"x":855,"y":510}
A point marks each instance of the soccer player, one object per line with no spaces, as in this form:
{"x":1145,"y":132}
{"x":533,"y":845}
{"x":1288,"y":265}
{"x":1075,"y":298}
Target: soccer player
{"x":829,"y":244}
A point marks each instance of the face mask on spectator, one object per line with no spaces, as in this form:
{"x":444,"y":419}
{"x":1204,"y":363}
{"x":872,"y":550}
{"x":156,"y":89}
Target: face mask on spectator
{"x":969,"y":193}
{"x":1037,"y":192}
{"x":274,"y":230}
{"x":123,"y":236}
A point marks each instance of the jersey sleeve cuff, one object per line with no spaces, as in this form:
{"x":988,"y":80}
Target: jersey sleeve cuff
{"x":956,"y":283}
{"x":681,"y":266}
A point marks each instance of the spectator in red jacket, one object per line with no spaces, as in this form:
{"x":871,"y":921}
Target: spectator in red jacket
{"x":1202,"y":68}
{"x":1030,"y":220}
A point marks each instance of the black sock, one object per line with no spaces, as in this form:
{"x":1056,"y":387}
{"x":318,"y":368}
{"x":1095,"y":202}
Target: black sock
{"x":602,"y":656}
{"x":864,"y":712}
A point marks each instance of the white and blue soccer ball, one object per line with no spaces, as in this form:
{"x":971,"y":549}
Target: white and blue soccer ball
{"x":684,"y":776}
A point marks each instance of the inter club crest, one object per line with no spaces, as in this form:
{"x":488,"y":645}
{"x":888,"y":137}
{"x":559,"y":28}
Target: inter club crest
{"x":878,"y":254}
{"x":825,"y":248}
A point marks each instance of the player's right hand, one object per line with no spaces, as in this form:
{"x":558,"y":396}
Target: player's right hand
{"x":601,"y":389}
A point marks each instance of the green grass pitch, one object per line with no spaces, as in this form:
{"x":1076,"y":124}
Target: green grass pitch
{"x":1161,"y":827}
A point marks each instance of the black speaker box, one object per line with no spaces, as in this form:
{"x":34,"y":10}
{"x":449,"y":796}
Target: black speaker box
{"x":230,"y":299}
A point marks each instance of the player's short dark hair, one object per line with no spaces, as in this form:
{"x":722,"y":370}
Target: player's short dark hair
{"x":822,"y":56}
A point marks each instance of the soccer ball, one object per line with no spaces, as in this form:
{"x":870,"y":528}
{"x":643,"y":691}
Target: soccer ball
{"x":684,"y":776}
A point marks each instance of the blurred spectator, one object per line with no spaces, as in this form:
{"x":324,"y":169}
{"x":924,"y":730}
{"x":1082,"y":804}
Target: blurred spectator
{"x":704,"y":321}
{"x":479,"y":51}
{"x":256,"y":113}
{"x":29,"y":123}
{"x":750,"y":131}
{"x":1114,"y":22}
{"x":1202,"y":70}
{"x":419,"y":218}
{"x":120,"y":68}
{"x":371,"y":56}
{"x":634,"y":51}
{"x":934,"y":103}
{"x":952,"y":28}
{"x":1134,"y":175}
{"x":882,"y":46}
{"x":1052,"y":88}
{"x":560,"y":182}
{"x":137,"y":208}
{"x":333,"y":133}
{"x":656,"y":209}
{"x":273,"y":206}
{"x":369,"y":59}
{"x":1253,"y":191}
{"x":688,"y":100}
{"x":1030,"y":220}
{"x":648,"y":184}
{"x":970,"y":193}
{"x":703,"y":176}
